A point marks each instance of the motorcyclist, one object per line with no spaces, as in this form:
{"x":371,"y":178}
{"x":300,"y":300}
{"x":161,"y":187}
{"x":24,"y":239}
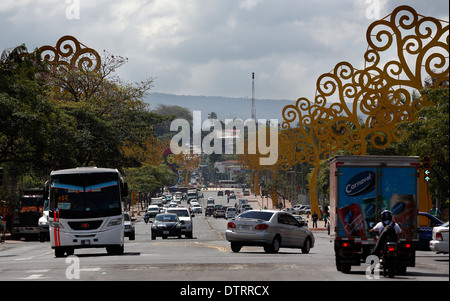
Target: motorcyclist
{"x":387,"y":230}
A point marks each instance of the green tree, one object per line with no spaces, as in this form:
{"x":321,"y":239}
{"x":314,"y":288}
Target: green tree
{"x":106,"y":113}
{"x":429,"y":136}
{"x":149,"y":178}
{"x":162,"y":131}
{"x":29,"y":124}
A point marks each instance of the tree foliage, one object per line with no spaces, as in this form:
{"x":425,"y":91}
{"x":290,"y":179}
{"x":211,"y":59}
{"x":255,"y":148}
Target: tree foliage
{"x":149,"y":178}
{"x":53,"y":118}
{"x":429,"y":136}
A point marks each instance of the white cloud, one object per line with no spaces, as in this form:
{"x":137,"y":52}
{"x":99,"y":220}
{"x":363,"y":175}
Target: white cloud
{"x":249,"y":4}
{"x":210,"y":47}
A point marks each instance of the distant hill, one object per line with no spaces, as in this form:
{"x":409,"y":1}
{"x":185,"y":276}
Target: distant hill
{"x":224,"y":107}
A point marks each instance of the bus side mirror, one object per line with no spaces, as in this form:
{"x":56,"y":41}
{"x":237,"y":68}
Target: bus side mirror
{"x":46,"y":190}
{"x":125,"y":189}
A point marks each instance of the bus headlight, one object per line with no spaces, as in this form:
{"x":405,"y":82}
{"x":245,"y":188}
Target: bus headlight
{"x":56,"y":225}
{"x":115,"y":222}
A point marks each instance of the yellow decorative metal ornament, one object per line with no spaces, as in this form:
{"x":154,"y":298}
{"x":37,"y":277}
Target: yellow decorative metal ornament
{"x":69,"y":53}
{"x":356,"y":109}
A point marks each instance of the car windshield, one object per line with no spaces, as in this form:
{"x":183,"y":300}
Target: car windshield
{"x":153,"y":209}
{"x":264,"y":215}
{"x":166,"y":218}
{"x":126,"y":217}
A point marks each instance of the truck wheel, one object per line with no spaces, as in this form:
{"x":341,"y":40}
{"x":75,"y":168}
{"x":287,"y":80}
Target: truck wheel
{"x":346,"y":268}
{"x":401,"y":269}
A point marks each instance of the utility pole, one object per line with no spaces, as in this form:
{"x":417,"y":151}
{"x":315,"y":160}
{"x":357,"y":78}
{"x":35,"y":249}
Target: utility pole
{"x":253,"y":97}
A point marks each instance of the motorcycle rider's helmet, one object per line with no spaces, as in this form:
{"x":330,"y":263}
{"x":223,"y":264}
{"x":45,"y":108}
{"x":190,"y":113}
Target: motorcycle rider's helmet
{"x":386,"y":217}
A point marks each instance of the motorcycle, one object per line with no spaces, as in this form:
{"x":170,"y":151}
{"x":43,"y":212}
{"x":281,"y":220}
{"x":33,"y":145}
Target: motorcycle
{"x":389,"y":259}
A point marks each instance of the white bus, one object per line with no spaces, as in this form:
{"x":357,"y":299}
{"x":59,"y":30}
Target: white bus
{"x":86,"y":210}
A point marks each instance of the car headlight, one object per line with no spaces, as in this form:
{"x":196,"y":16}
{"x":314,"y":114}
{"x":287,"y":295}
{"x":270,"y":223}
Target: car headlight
{"x":115,"y":222}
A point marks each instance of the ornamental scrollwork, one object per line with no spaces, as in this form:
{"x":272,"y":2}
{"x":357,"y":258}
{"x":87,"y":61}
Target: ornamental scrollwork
{"x":70,"y":54}
{"x":354,"y":109}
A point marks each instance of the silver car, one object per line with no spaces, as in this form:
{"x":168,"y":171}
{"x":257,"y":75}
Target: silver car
{"x":270,"y":229}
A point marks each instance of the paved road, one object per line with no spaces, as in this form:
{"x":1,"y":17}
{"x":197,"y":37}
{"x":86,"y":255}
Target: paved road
{"x":205,"y":257}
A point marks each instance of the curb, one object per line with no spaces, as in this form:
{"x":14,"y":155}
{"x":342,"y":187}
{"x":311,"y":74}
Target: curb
{"x":317,"y":229}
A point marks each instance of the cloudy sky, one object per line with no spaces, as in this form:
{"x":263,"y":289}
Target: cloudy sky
{"x":211,"y":47}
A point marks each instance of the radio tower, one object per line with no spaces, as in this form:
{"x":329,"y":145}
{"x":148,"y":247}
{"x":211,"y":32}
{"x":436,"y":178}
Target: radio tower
{"x":253,"y":97}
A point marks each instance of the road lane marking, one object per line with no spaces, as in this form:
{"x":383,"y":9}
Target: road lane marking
{"x":33,"y":257}
{"x":34,"y":277}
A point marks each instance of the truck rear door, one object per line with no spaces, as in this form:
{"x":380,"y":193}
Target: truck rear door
{"x":398,"y":186}
{"x":368,"y":190}
{"x":357,"y":200}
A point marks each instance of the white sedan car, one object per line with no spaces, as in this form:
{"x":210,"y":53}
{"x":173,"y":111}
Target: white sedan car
{"x":270,"y":229}
{"x":439,"y":241}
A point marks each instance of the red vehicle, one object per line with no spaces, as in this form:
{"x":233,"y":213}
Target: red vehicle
{"x":26,"y":218}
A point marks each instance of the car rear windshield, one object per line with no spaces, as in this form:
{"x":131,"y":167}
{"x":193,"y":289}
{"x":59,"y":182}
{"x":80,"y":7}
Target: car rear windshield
{"x":180,"y":213}
{"x":264,"y":215}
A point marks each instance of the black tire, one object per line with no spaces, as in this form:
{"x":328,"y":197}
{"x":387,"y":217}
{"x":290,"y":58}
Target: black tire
{"x":115,"y":250}
{"x":59,"y":252}
{"x":346,"y":268}
{"x":274,"y":247}
{"x":306,"y":245}
{"x":235,"y":247}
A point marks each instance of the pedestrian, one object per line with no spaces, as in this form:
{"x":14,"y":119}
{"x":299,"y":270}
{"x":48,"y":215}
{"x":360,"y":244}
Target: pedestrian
{"x":435,"y":212}
{"x":325,"y":218}
{"x":315,"y":217}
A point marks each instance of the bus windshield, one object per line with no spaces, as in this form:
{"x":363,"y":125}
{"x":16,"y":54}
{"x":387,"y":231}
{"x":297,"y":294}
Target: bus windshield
{"x":85,"y":195}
